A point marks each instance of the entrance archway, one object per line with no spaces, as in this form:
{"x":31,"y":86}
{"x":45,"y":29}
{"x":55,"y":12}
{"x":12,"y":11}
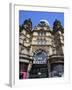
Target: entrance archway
{"x":40,"y":66}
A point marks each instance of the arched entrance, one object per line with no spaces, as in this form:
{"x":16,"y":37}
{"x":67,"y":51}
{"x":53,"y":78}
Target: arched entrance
{"x":40,"y":66}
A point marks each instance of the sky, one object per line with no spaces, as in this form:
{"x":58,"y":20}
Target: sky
{"x":36,"y":16}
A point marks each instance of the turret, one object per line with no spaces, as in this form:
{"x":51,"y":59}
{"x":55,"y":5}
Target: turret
{"x":58,"y":32}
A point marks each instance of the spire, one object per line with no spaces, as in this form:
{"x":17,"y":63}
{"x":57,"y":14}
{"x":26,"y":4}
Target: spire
{"x":28,"y":24}
{"x":57,"y":25}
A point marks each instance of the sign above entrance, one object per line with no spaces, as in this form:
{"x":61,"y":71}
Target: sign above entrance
{"x":39,"y":62}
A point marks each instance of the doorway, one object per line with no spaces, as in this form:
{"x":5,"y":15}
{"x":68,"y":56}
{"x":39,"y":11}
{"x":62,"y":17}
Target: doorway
{"x":39,"y":71}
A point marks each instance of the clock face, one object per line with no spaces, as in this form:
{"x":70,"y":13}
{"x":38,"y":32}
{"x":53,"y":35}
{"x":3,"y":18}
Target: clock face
{"x":40,"y":57}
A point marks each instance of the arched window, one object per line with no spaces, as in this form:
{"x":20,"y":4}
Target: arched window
{"x":40,"y":57}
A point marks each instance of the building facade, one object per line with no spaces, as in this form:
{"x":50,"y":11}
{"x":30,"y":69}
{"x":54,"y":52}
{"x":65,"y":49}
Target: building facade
{"x":41,"y":50}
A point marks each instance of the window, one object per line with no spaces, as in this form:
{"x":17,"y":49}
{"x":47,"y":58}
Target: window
{"x":42,"y":33}
{"x":41,"y":41}
{"x":57,"y":70}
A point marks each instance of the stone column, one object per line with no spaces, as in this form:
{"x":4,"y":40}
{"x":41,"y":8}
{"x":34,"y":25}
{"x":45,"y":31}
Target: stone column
{"x":29,"y":68}
{"x":49,"y":71}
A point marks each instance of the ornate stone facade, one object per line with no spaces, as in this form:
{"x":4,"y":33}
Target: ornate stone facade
{"x":41,"y":50}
